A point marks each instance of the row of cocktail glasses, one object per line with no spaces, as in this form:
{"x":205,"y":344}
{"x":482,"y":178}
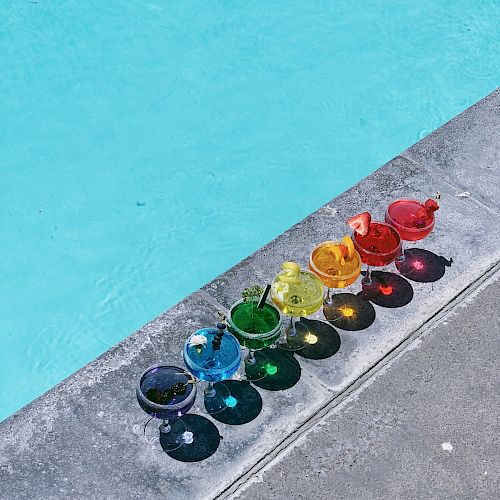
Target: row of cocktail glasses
{"x":214,"y":354}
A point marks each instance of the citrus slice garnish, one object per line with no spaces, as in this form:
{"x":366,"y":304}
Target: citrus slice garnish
{"x":291,"y":266}
{"x":351,"y":251}
{"x":337,"y":253}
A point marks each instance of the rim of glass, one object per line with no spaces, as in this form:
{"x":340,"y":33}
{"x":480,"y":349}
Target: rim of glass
{"x":339,"y":277}
{"x":216,"y":371}
{"x":379,"y":253}
{"x":177,"y":406}
{"x":404,"y":228}
{"x":311,"y":275}
{"x":255,"y":336}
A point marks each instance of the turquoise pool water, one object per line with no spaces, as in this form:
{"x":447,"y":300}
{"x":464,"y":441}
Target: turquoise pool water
{"x":146,"y":146}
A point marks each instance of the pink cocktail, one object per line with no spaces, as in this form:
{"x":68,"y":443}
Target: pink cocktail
{"x":413,"y":220}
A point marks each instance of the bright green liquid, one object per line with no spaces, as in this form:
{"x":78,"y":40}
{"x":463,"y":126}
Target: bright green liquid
{"x":248,"y":319}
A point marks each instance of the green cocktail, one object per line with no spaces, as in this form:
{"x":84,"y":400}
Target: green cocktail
{"x":255,"y":328}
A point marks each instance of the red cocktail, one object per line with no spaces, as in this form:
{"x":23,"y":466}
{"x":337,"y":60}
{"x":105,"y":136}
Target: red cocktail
{"x":380,"y":246}
{"x":377,"y":243}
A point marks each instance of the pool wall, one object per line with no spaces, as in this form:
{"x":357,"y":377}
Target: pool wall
{"x":83,"y":438}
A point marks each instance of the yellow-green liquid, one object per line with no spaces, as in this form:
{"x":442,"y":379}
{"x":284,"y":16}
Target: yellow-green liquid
{"x":300,"y":299}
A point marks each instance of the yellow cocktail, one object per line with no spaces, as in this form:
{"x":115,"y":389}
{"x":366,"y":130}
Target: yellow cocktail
{"x":296,"y":293}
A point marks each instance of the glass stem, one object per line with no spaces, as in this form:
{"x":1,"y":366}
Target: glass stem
{"x":401,"y":257}
{"x":165,"y":427}
{"x":210,"y":391}
{"x":328,"y":295}
{"x":250,"y":358}
{"x":367,"y":280}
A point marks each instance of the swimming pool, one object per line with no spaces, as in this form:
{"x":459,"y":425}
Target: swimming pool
{"x":146,"y":147}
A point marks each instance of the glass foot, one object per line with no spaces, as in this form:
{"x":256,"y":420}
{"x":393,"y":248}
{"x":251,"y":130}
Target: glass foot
{"x":293,"y":341}
{"x":257,"y":369}
{"x":219,"y":400}
{"x":171,"y":436}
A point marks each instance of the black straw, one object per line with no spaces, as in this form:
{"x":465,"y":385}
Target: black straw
{"x":263,"y":297}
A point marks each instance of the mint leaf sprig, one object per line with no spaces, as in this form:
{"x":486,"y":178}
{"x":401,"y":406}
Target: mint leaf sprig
{"x":253,"y":293}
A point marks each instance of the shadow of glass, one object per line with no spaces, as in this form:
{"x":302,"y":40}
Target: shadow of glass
{"x":349,"y":312}
{"x":283,"y":370}
{"x":388,"y":290}
{"x":206,"y":439}
{"x":422,"y":265}
{"x":244,"y":403}
{"x":323,"y":339}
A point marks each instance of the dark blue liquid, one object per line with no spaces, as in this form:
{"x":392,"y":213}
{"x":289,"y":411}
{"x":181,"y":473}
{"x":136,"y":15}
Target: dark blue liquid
{"x":155,"y":394}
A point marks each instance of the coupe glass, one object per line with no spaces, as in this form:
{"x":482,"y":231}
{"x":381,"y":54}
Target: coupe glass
{"x":166,"y":393}
{"x":255,"y":328}
{"x":379,"y":247}
{"x":213,"y":355}
{"x":413,"y":221}
{"x":297,"y":300}
{"x":333,"y":268}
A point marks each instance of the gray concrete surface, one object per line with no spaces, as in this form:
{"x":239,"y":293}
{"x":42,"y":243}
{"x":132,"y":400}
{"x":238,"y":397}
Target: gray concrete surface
{"x":82,"y":439}
{"x":467,"y":144}
{"x":426,"y":427}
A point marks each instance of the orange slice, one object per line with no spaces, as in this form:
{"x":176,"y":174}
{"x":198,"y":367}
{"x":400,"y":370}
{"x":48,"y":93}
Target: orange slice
{"x":351,"y":251}
{"x":337,"y":253}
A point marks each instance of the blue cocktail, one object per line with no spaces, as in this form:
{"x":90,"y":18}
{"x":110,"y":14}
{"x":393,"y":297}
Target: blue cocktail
{"x":213,"y":355}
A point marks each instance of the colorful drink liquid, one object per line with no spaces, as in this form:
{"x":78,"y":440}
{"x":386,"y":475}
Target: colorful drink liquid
{"x":166,"y":392}
{"x":210,"y":361}
{"x":255,"y":328}
{"x":380,"y":246}
{"x":298,"y":299}
{"x":411,"y":218}
{"x":333,"y":271}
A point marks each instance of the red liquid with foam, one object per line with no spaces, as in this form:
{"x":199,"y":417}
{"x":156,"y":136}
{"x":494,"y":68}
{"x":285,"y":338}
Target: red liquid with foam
{"x":410,"y":217}
{"x":380,"y":246}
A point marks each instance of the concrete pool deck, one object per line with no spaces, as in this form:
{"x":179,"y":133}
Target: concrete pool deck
{"x":82,"y":439}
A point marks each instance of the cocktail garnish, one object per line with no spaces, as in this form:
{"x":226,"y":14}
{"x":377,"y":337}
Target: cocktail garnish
{"x":218,"y":336}
{"x":351,"y":251}
{"x":360,"y":223}
{"x":252,"y":293}
{"x":196,"y":340}
{"x":422,"y":213}
{"x":431,"y":205}
{"x":291,"y":266}
{"x":291,"y":273}
{"x":199,"y":342}
{"x":163,"y":397}
{"x":337,"y":254}
{"x":155,"y":395}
